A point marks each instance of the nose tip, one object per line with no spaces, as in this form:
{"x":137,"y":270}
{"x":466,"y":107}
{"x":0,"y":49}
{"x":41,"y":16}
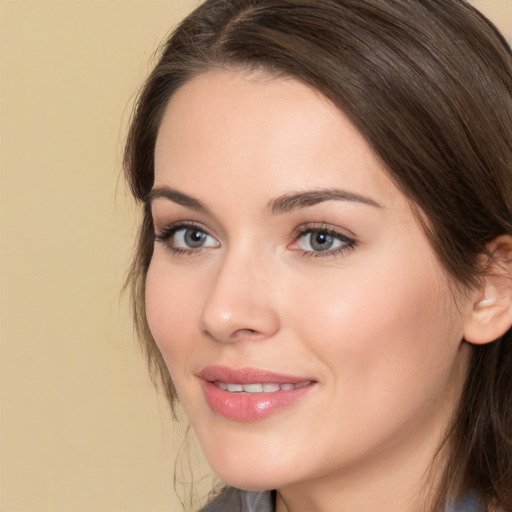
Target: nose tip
{"x":238,"y":308}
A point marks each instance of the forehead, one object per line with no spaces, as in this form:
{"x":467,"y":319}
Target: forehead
{"x":262,"y":134}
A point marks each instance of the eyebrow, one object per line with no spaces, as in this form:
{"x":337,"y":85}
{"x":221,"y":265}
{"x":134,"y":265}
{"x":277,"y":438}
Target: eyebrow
{"x":178,"y":198}
{"x":280,"y":205}
{"x":297,"y":200}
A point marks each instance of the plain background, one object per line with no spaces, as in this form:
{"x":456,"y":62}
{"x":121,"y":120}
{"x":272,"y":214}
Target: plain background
{"x":81,"y":428}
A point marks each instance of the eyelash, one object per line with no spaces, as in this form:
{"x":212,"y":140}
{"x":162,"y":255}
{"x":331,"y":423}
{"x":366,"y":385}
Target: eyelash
{"x":167,"y":233}
{"x":347,"y":243}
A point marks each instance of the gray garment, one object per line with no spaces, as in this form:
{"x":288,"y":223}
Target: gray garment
{"x":234,"y":500}
{"x":468,"y":503}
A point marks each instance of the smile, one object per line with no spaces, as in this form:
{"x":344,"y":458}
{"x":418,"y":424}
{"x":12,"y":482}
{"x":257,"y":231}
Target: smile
{"x":272,"y":387}
{"x":251,"y":394}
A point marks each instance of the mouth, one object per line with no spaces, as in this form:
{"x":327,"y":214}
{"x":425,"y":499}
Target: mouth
{"x":249,"y":394}
{"x":267,"y":387}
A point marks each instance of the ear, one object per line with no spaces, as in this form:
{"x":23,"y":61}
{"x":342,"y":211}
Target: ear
{"x":491,"y":315}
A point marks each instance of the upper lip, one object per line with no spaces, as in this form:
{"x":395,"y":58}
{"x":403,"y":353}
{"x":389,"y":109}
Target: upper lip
{"x":247,"y":376}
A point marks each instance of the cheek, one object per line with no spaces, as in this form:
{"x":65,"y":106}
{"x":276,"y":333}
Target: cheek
{"x":380,"y":327}
{"x":170,"y":311}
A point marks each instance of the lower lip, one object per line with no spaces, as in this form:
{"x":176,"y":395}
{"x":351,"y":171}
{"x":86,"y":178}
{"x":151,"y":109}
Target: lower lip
{"x":251,"y":406}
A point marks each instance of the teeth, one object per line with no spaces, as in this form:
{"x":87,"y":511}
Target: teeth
{"x":260,"y":388}
{"x":253,"y":388}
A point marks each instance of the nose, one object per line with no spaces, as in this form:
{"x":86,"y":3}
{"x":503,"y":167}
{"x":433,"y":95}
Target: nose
{"x":239,"y":304}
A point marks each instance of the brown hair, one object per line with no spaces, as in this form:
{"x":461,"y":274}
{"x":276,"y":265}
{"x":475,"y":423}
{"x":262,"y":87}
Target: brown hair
{"x":428,"y":83}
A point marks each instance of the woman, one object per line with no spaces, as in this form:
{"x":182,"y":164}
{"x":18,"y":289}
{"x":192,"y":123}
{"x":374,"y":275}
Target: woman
{"x":323,"y":275}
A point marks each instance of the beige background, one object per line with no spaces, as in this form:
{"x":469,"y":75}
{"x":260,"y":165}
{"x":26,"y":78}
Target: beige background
{"x":81,"y":428}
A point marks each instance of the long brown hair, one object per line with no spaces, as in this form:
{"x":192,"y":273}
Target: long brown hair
{"x":428,"y":83}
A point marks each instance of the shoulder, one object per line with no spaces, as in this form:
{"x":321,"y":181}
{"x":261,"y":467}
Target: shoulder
{"x":235,"y":500}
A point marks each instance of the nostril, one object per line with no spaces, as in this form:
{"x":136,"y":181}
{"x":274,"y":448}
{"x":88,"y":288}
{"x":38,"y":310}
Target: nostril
{"x":247,"y":332}
{"x":237,"y":336}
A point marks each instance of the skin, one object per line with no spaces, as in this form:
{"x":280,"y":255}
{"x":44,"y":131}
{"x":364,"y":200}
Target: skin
{"x":376,"y":325}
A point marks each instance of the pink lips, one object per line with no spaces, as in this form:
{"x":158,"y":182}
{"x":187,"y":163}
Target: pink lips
{"x":267,"y":392}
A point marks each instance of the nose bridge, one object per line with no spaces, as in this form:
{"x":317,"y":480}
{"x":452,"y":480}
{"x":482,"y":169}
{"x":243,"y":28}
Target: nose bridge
{"x":239,"y":303}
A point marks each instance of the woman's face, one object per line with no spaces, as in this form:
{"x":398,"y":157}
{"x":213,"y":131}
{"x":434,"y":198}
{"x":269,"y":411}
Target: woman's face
{"x":289,"y":269}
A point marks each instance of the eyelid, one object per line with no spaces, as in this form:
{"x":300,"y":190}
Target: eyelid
{"x":323,"y":226}
{"x":169,"y":229}
{"x":164,"y":215}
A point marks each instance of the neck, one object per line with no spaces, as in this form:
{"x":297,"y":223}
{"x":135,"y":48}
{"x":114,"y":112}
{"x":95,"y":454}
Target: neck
{"x":401,"y":485}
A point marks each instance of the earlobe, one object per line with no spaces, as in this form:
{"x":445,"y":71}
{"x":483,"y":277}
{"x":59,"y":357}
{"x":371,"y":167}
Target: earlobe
{"x":491,"y":315}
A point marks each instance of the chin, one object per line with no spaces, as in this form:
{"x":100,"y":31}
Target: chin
{"x":251,"y":472}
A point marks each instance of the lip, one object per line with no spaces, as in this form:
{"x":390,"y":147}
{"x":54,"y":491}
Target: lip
{"x":249,"y":407}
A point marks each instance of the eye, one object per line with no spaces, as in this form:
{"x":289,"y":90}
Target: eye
{"x":318,"y":240}
{"x":192,"y":238}
{"x":186,"y":238}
